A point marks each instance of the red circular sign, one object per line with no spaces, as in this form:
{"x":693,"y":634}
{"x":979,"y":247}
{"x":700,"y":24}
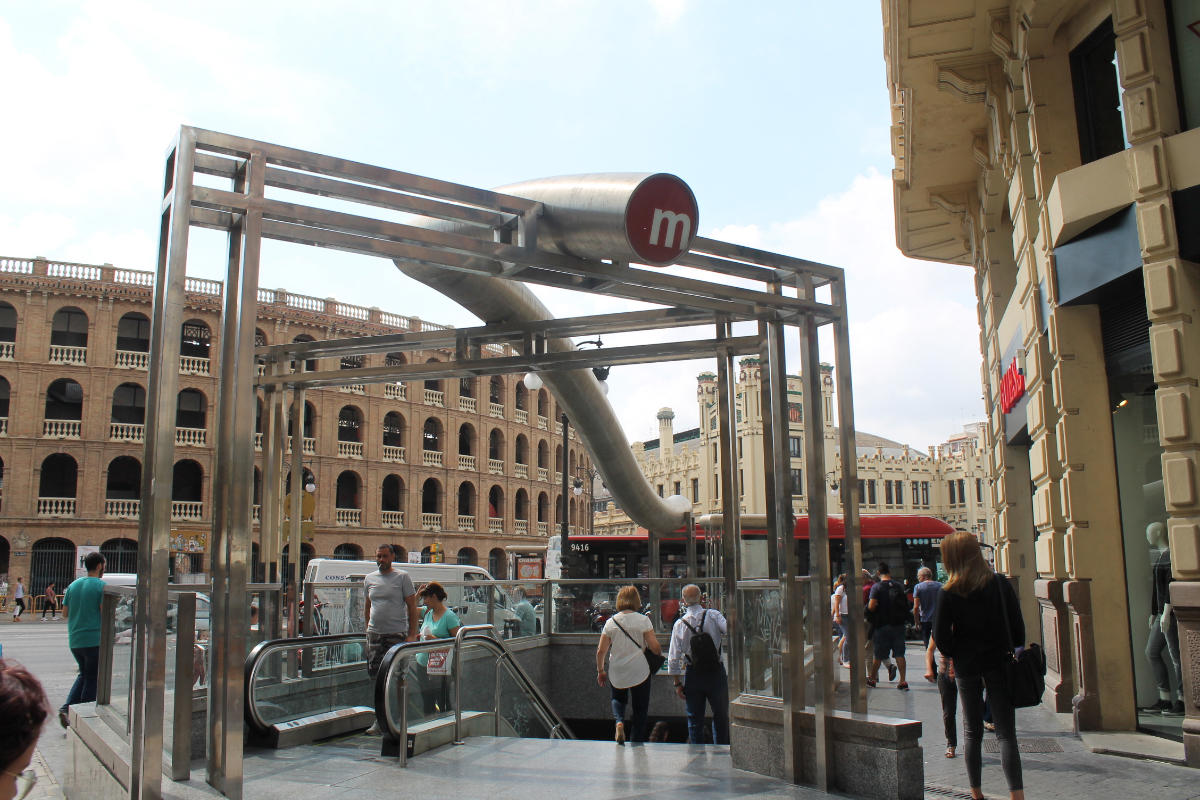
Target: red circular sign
{"x":661,"y":219}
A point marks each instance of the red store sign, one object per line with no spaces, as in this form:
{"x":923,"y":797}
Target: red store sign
{"x":1012,"y":387}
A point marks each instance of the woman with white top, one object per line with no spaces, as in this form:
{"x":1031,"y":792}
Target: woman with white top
{"x":624,"y":636}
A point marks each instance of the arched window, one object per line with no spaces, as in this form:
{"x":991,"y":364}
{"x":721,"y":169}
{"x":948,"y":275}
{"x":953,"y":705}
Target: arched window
{"x":310,"y":365}
{"x":64,"y":400}
{"x":543,"y":458}
{"x":522,"y":397}
{"x":310,"y":415}
{"x":59,"y":476}
{"x":431,"y":496}
{"x":129,"y":404}
{"x":8,"y":324}
{"x":497,"y":564}
{"x":348,"y":551}
{"x":4,"y":393}
{"x":187,"y":482}
{"x":348,"y":490}
{"x":521,"y":505}
{"x":543,"y":403}
{"x":306,"y":554}
{"x":468,"y":556}
{"x":522,"y":454}
{"x":69,"y":328}
{"x":124,"y":480}
{"x":256,"y":494}
{"x":466,"y":439}
{"x":120,"y":555}
{"x":396,"y":359}
{"x":191,"y":410}
{"x":399,"y":554}
{"x":392,"y":496}
{"x":433,"y":384}
{"x":349,"y":425}
{"x":352,"y":362}
{"x":393,"y":429}
{"x":306,"y":476}
{"x":133,"y":333}
{"x":496,"y":445}
{"x":496,"y":390}
{"x":466,"y":387}
{"x":194,"y":339}
{"x":495,"y":503}
{"x":466,"y":499}
{"x":543,"y":507}
{"x":558,"y":458}
{"x":571,"y":462}
{"x":431,"y":437}
{"x":53,"y":562}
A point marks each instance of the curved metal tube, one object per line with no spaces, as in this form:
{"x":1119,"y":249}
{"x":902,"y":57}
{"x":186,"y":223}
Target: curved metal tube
{"x":581,"y":219}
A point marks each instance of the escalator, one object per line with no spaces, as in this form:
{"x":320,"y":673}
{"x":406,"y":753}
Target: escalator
{"x":430,"y":693}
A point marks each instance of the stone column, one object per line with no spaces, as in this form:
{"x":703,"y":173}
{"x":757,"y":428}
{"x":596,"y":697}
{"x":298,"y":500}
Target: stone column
{"x":1086,"y":702}
{"x":1057,"y":627}
{"x":1185,"y":599}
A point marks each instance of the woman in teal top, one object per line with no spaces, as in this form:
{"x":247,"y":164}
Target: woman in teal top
{"x":439,"y":623}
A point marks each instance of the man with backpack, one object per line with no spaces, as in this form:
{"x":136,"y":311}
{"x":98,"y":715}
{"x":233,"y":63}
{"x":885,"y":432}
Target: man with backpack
{"x":888,"y":610}
{"x":694,"y":663}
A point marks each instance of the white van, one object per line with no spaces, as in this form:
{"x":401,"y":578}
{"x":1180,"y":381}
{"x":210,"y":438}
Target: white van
{"x":131,"y":579}
{"x":341,"y":610}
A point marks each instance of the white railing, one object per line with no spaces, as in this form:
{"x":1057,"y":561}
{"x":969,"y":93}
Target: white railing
{"x":521,"y":470}
{"x":135,"y":277}
{"x":521,"y":526}
{"x":67,"y":269}
{"x":496,"y":410}
{"x":354,"y":388}
{"x":495,"y":466}
{"x":132,"y":359}
{"x":61,"y":354}
{"x":7,"y":350}
{"x":350,"y":449}
{"x":571,"y":433}
{"x":203,"y":286}
{"x":557,"y":478}
{"x":21,"y":266}
{"x":431,"y":522}
{"x":126,"y":432}
{"x":56,"y":506}
{"x":466,"y":461}
{"x":190,"y":365}
{"x":61,"y":428}
{"x":261,"y":369}
{"x":495,"y":525}
{"x":543,"y":529}
{"x":393,"y":453}
{"x":122,"y":509}
{"x":257,"y":440}
{"x":392,"y":519}
{"x":361,"y":313}
{"x":256,"y":512}
{"x":466,"y":522}
{"x":431,"y":458}
{"x":435,"y":398}
{"x":521,"y":416}
{"x":310,"y":446}
{"x":348,"y":517}
{"x":186,"y":510}
{"x":543,"y":423}
{"x":3,"y":426}
{"x":543,"y":474}
{"x":469,"y":404}
{"x":395,"y":391}
{"x":194,"y":437}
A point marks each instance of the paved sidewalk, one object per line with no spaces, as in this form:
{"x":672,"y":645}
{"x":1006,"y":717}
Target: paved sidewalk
{"x":47,"y":787}
{"x":1067,"y":770}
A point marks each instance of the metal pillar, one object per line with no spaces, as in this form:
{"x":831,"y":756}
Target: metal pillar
{"x":154,"y":526}
{"x":690,"y":528}
{"x":296,"y":510}
{"x":731,"y":507}
{"x":564,"y":536}
{"x":818,"y":543}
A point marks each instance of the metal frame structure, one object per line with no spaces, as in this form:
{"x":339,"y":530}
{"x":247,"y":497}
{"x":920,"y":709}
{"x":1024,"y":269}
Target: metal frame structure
{"x":725,"y":284}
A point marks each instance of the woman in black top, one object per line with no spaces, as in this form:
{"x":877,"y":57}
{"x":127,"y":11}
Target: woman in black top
{"x":969,"y":628}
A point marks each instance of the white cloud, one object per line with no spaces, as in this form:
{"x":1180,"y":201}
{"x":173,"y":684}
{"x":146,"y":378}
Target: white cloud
{"x":668,"y":11}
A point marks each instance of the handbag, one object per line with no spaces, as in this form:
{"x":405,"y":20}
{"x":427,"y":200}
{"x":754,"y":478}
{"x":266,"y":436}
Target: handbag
{"x":1024,"y":673}
{"x":653,"y":659}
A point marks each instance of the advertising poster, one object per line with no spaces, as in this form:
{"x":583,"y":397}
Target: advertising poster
{"x":81,"y":552}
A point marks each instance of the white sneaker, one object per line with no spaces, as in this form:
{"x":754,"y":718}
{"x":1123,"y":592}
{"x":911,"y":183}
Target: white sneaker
{"x":374,"y":730}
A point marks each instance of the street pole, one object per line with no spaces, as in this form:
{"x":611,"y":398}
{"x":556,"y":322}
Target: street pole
{"x":564,"y":534}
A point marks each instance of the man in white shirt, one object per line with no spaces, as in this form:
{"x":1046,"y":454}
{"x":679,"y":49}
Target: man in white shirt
{"x":390,"y":610}
{"x":697,"y":683}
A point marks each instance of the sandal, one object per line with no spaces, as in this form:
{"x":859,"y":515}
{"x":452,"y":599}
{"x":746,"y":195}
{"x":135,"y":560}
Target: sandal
{"x":949,"y":751}
{"x":872,"y":682}
{"x":902,"y":687}
{"x":620,"y":733}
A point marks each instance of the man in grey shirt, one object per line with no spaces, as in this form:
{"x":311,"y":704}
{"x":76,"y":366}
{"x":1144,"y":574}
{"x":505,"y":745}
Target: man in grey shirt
{"x":390,"y":610}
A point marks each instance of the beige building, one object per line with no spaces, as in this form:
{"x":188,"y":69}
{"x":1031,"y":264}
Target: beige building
{"x":1052,"y":148}
{"x":470,"y":466}
{"x":949,"y":481}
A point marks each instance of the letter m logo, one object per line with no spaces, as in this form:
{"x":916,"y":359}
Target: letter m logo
{"x":672,"y":221}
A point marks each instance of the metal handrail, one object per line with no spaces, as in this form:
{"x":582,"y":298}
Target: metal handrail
{"x":483,"y":635}
{"x":258,"y":656}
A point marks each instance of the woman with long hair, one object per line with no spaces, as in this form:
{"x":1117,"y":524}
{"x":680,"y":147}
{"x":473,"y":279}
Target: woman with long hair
{"x":625,"y":635}
{"x":969,"y":629}
{"x":23,"y":709}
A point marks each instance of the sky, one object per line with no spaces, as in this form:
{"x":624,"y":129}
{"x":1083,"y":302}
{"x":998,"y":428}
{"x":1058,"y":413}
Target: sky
{"x":775,"y":113}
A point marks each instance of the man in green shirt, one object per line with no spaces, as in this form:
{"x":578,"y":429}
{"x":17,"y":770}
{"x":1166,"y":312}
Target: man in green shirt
{"x":81,"y":610}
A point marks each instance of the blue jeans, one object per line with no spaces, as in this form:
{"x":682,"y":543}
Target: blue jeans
{"x":641,"y":707}
{"x":712,"y":687}
{"x":84,"y":688}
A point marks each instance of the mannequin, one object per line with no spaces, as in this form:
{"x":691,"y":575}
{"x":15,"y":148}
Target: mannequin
{"x":1162,"y":646}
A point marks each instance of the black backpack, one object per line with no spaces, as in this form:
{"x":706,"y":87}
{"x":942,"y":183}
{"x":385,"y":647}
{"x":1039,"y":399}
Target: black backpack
{"x":703,"y":655}
{"x":898,"y":611}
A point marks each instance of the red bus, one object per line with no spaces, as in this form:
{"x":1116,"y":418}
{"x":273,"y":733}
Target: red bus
{"x":906,"y":542}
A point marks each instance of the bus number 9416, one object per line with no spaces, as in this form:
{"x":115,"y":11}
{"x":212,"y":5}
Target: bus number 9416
{"x":580,"y":548}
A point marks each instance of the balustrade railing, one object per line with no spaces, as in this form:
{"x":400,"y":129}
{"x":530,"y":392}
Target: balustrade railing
{"x":466,"y":461}
{"x":521,"y":526}
{"x":192,"y":437}
{"x":521,"y":470}
{"x":3,"y":426}
{"x":348,"y":517}
{"x":310,"y":446}
{"x":7,"y":350}
{"x":543,"y":423}
{"x":56,"y":506}
{"x":395,"y":391}
{"x":495,"y":525}
{"x":496,"y":410}
{"x":431,"y":522}
{"x":132,"y":359}
{"x":392,"y":519}
{"x":62,"y":354}
{"x":466,"y":522}
{"x":522,"y":416}
{"x":186,"y":510}
{"x":495,"y":466}
{"x":190,"y":365}
{"x":431,"y":458}
{"x":468,"y":404}
{"x":354,"y":388}
{"x":543,"y":474}
{"x":257,"y":440}
{"x":122,"y":509}
{"x":256,"y":512}
{"x":543,"y":529}
{"x":350,"y":449}
{"x":126,"y":432}
{"x":393,"y":452}
{"x":435,"y":398}
{"x":61,"y":428}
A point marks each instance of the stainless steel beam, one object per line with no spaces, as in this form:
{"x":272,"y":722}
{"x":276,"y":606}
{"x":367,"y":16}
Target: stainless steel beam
{"x":731,"y":504}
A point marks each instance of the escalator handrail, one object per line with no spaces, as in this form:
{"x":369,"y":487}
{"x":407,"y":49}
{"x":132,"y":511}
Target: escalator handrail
{"x":258,"y":655}
{"x":385,"y":681}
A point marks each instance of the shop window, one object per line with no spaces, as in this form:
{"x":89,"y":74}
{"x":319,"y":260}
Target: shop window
{"x":795,"y":447}
{"x":695,"y":490}
{"x":1186,"y":50}
{"x":1098,"y":112}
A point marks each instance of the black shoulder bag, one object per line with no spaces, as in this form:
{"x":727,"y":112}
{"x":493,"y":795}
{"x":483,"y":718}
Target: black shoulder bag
{"x":1024,"y":674}
{"x":653,"y":659}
